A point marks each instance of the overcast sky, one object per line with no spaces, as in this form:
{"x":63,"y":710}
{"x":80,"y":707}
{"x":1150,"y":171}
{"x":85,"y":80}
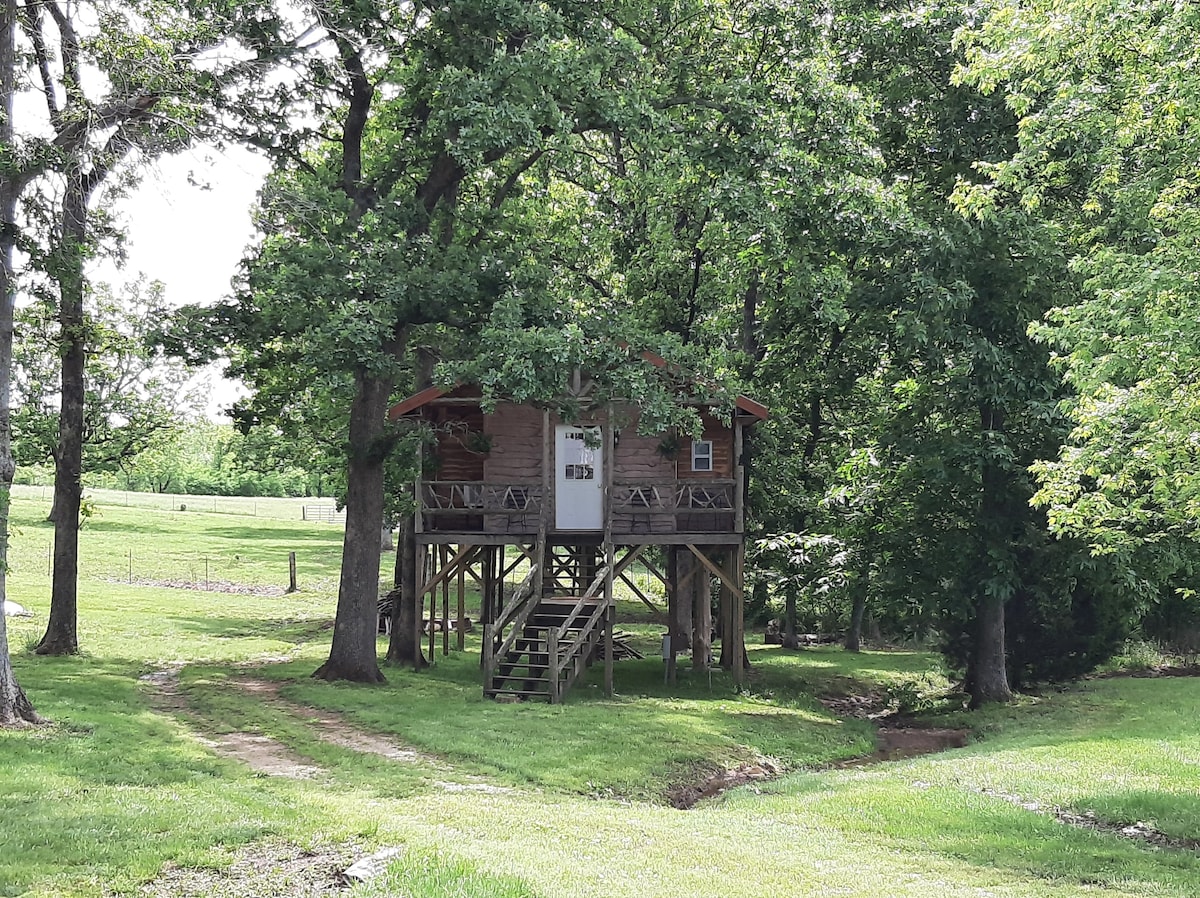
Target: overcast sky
{"x":188,"y":225}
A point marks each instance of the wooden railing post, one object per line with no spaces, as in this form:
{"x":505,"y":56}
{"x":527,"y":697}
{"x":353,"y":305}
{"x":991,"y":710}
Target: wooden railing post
{"x":489,"y":665}
{"x":552,"y":665}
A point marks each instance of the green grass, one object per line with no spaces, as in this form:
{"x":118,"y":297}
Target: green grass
{"x":428,"y":874}
{"x":113,"y":792}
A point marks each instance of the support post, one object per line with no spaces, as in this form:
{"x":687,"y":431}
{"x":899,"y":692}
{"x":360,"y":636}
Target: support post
{"x":546,"y":514}
{"x":462,"y":607}
{"x":701,"y":619}
{"x":487,"y":658}
{"x":739,"y":616}
{"x":672,"y":587}
{"x":552,"y":665}
{"x":610,"y":616}
{"x":445,"y":605}
{"x":728,"y":641}
{"x":432,"y":558}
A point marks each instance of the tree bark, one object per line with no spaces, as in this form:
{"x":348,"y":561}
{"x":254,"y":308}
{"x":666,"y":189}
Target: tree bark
{"x":987,"y":672}
{"x":15,"y":707}
{"x":789,"y":640}
{"x":404,"y":646}
{"x":857,"y":612}
{"x":988,"y":677}
{"x":701,"y":618}
{"x":352,"y":655}
{"x":61,"y":637}
{"x":681,"y":625}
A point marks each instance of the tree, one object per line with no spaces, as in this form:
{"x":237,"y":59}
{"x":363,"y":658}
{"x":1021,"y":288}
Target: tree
{"x":1107,"y":153}
{"x":112,"y":86}
{"x":133,"y":394}
{"x":385,"y":226}
{"x":15,"y":707}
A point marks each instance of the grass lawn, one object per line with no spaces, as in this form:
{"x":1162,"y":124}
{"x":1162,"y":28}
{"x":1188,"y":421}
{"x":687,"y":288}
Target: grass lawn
{"x":121,"y":794}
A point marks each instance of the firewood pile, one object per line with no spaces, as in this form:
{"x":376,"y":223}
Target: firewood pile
{"x":622,"y":650}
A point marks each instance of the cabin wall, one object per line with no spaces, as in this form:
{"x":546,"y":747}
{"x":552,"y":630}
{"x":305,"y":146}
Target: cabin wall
{"x":516,"y":452}
{"x":724,"y":463}
{"x":458,"y":428}
{"x":649,"y":493}
{"x":515,"y":458}
{"x":637,"y":457}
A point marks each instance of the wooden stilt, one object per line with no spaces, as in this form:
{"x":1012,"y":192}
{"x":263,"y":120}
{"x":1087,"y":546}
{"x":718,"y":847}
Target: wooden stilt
{"x":446,"y":606}
{"x":672,"y":587}
{"x":728,"y":641}
{"x":739,"y":606}
{"x":610,"y":612}
{"x":701,"y":620}
{"x":461,"y":625}
{"x":433,"y":556}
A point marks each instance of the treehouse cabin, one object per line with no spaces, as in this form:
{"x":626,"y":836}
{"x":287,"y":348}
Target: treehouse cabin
{"x":580,"y":500}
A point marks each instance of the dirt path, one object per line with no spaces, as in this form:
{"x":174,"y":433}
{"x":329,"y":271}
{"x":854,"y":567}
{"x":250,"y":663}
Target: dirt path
{"x":1138,"y":832}
{"x":269,"y":757}
{"x":266,"y":869}
{"x":335,"y":729}
{"x":262,"y":754}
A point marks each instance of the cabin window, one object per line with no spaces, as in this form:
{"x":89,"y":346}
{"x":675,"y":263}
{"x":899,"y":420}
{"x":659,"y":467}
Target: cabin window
{"x":702,"y":456}
{"x":581,"y":458}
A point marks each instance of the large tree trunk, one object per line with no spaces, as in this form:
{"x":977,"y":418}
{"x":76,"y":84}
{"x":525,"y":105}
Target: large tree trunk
{"x":15,"y":708}
{"x":987,"y":673}
{"x":404,"y":646}
{"x":701,"y":618}
{"x":859,"y":609}
{"x":681,"y":624}
{"x":352,"y":655}
{"x":61,"y":633}
{"x":988,"y":678}
{"x":789,"y":640}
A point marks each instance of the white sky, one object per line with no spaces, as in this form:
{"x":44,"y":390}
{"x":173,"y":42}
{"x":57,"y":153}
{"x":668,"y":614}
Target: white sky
{"x":188,"y":225}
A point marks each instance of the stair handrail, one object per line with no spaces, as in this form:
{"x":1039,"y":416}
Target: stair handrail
{"x":531,"y":586}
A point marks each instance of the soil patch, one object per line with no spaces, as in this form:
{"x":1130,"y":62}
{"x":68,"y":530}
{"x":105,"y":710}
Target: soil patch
{"x":335,"y":729}
{"x":869,"y":706}
{"x":1138,"y":832}
{"x":261,"y":870}
{"x":262,"y":754}
{"x":1187,"y":670}
{"x":687,"y":796}
{"x":239,"y":589}
{"x":898,"y":743}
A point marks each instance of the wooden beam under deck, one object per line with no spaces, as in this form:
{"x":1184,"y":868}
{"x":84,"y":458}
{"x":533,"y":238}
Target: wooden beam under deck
{"x":580,"y":538}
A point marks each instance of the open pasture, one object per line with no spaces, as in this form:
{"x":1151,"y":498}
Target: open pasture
{"x":141,"y":785}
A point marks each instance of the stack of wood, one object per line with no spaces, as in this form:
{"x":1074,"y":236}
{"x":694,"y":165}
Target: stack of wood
{"x":622,"y":650}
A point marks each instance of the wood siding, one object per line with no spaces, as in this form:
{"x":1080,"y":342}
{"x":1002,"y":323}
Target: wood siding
{"x":458,"y":428}
{"x":515,"y":458}
{"x":724,"y":464}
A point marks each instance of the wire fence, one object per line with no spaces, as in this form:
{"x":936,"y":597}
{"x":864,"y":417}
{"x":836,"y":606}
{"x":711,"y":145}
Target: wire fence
{"x":308,"y":571}
{"x":281,"y":509}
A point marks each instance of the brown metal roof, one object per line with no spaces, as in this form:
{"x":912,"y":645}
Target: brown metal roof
{"x":424,"y":397}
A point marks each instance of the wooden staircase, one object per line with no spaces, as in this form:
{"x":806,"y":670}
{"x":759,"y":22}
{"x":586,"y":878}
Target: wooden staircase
{"x":539,"y":645}
{"x":555,"y":646}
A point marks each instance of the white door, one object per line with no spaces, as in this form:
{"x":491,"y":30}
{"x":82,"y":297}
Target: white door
{"x":578,"y":478}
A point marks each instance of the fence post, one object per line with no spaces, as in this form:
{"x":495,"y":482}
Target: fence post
{"x":291,"y":572}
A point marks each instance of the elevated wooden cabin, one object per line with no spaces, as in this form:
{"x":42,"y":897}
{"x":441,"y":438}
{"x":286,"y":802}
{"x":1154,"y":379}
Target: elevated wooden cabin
{"x":581,"y":499}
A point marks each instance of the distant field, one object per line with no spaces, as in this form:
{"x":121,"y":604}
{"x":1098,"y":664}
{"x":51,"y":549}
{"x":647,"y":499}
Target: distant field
{"x":148,"y":546}
{"x":127,"y":794}
{"x":261,"y":507}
